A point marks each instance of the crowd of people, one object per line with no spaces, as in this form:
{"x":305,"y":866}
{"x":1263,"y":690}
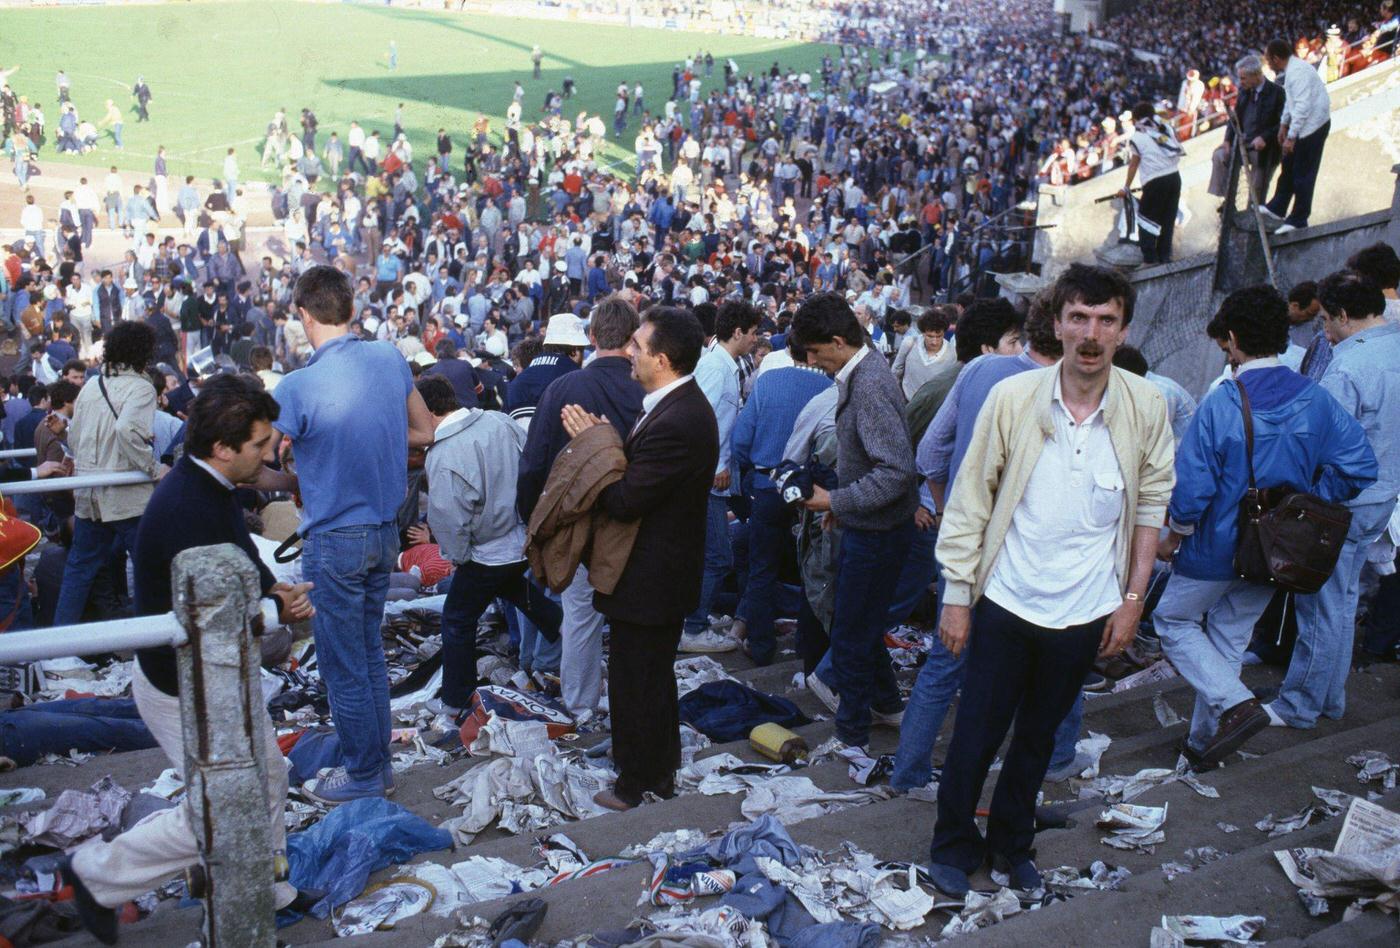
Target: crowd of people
{"x":481,"y":356}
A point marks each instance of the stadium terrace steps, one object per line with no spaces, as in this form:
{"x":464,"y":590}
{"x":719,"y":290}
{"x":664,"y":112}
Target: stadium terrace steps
{"x":900,"y":828}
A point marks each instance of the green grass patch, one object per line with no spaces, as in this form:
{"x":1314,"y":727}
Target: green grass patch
{"x":218,"y":72}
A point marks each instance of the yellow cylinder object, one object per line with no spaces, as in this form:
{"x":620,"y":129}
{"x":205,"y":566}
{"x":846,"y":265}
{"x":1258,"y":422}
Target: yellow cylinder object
{"x":778,"y":743}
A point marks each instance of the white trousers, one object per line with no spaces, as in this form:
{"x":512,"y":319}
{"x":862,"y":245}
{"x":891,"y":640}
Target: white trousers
{"x":163,"y":844}
{"x":581,"y":660}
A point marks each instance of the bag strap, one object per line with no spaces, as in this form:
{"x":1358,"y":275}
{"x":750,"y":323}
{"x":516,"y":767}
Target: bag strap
{"x":102,"y":386}
{"x":1248,"y":432}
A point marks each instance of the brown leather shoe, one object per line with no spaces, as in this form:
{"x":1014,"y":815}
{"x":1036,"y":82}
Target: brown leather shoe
{"x":1237,"y":725}
{"x":606,"y":798}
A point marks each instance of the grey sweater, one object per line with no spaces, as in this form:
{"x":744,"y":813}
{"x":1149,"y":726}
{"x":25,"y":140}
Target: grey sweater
{"x":874,"y":458}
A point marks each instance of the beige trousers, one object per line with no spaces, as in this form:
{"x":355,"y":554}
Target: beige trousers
{"x":163,"y":844}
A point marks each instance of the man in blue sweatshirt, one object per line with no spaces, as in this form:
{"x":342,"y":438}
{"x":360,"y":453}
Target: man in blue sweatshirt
{"x":765,"y":423}
{"x":1303,"y":440}
{"x":604,"y":387}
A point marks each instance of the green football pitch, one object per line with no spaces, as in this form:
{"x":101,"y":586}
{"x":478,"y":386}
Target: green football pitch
{"x":218,"y":72}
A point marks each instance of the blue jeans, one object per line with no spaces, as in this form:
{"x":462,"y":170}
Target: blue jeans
{"x":94,"y":543}
{"x":865,"y":586}
{"x":538,"y":651}
{"x":719,"y":558}
{"x":1208,"y":654}
{"x":1316,"y":683}
{"x":350,"y":568}
{"x":919,"y":569}
{"x":14,"y":601}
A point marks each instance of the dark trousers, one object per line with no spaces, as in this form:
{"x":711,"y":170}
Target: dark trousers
{"x":865,"y":584}
{"x":473,"y":588}
{"x":646,"y":724}
{"x":1298,"y":177}
{"x":1382,"y":627}
{"x":812,"y":640}
{"x":770,"y":528}
{"x":1015,"y":670}
{"x":1160,"y":198}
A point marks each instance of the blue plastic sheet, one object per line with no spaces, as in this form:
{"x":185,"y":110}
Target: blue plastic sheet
{"x":337,"y":855}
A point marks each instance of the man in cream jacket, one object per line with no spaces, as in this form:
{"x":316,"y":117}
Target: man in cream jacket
{"x":1047,"y":546}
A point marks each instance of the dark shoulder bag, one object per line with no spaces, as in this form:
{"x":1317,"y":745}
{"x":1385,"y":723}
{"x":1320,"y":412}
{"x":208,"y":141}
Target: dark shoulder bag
{"x":1287,"y":539}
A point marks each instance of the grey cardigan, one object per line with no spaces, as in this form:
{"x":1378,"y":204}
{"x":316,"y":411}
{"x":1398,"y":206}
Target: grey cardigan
{"x":874,"y":457}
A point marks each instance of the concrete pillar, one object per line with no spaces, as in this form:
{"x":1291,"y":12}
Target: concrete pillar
{"x":217,"y":601}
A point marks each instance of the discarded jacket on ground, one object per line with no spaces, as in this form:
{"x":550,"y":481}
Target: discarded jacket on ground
{"x":337,"y":855}
{"x":727,"y":710}
{"x":91,"y":725}
{"x":565,"y":529}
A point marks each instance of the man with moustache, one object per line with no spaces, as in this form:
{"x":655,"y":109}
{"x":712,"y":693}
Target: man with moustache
{"x":1047,"y":553}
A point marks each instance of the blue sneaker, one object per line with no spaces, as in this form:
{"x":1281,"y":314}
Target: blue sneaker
{"x":339,"y":787}
{"x":948,"y":879}
{"x":1023,"y":877}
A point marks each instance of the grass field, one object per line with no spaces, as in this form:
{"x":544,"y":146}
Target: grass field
{"x":218,"y":71}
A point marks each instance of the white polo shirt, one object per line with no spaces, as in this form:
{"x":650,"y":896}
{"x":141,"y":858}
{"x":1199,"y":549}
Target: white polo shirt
{"x":1057,"y":566}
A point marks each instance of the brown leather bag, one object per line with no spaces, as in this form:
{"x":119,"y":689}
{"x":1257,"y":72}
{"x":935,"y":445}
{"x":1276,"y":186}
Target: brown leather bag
{"x":1288,"y":539}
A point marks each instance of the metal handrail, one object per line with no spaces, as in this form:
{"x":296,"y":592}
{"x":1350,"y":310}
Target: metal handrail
{"x":17,"y":454}
{"x":78,"y":482}
{"x":111,"y":635}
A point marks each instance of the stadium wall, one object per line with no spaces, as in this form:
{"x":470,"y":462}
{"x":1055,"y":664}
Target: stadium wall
{"x":1177,"y":300}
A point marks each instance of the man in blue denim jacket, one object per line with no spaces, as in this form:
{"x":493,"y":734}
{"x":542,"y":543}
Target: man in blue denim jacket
{"x":1302,"y":439}
{"x":1364,"y":377}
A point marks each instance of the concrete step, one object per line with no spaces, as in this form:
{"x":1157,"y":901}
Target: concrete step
{"x":1248,"y":882}
{"x":900,"y":828}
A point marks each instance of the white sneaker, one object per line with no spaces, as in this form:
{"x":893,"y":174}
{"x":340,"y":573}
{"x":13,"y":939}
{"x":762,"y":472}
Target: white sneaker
{"x":1274,"y":719}
{"x":706,"y":641}
{"x":1285,"y":229}
{"x":823,"y":692}
{"x":1265,"y":212}
{"x":884,"y":719}
{"x":436,"y":706}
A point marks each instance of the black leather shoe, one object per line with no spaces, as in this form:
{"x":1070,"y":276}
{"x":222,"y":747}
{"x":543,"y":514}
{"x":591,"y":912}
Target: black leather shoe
{"x":99,"y":921}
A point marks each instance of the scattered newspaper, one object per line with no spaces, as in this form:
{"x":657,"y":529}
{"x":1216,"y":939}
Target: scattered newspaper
{"x":1364,"y":863}
{"x":1235,"y":929}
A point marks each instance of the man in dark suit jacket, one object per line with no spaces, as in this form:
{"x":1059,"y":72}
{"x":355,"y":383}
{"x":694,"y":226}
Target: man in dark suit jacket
{"x":1259,"y":109}
{"x":671,"y":456}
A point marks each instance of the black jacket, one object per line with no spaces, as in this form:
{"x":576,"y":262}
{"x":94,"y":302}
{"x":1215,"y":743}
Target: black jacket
{"x":1259,"y":113}
{"x":671,"y":458}
{"x":604,"y":387}
{"x":189,"y":508}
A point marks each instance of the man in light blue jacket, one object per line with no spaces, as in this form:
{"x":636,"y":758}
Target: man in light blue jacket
{"x":1364,"y":377}
{"x":1299,"y":431}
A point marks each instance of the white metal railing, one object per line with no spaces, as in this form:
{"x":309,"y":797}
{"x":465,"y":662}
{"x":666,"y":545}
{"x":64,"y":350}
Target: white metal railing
{"x":17,"y":454}
{"x":112,"y":635}
{"x":48,"y":485}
